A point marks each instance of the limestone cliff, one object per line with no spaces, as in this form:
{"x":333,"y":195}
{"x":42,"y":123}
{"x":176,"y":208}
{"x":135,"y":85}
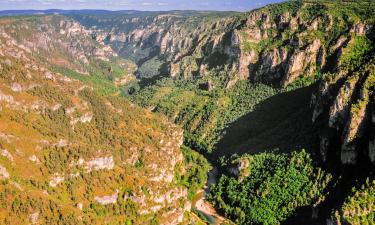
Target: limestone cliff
{"x":344,"y":107}
{"x":276,"y":44}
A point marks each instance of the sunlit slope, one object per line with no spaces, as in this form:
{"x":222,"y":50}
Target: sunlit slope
{"x":71,"y":156}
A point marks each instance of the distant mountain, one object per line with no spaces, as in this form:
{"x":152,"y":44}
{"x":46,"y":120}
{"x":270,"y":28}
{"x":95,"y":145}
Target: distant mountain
{"x":50,"y":11}
{"x":96,"y":12}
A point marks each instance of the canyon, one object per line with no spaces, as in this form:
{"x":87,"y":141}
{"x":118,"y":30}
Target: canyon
{"x":114,"y":117}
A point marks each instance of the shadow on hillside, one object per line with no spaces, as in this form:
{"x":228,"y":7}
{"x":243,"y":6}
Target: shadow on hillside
{"x":282,"y":122}
{"x":345,"y":177}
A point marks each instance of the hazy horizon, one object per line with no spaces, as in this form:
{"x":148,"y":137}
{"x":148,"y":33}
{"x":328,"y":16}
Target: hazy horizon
{"x":147,"y":5}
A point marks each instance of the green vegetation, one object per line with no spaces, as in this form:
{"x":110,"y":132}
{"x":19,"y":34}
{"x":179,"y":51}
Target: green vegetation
{"x":304,"y":81}
{"x":275,"y":10}
{"x":196,"y":169}
{"x":352,"y":10}
{"x":269,"y":187}
{"x":51,"y":95}
{"x":341,"y":14}
{"x":359,"y":207}
{"x":76,"y":55}
{"x":49,"y":145}
{"x":150,"y":68}
{"x":203,"y":114}
{"x":310,"y":12}
{"x":356,"y":53}
{"x":101,"y":76}
{"x":264,"y":45}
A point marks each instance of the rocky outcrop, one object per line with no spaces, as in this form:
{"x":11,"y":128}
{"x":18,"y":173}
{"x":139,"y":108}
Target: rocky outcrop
{"x":33,"y":218}
{"x":60,"y":41}
{"x":7,"y":155}
{"x":105,"y":200}
{"x":259,"y":46}
{"x":344,"y":106}
{"x":99,"y":163}
{"x":4,"y":173}
{"x":55,"y":180}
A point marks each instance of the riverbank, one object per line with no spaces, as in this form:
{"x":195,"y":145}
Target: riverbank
{"x":202,"y":206}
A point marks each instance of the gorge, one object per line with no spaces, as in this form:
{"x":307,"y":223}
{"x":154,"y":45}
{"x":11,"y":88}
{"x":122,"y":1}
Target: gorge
{"x":116,"y":117}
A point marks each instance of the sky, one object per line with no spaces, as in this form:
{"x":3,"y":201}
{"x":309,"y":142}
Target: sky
{"x":145,"y":5}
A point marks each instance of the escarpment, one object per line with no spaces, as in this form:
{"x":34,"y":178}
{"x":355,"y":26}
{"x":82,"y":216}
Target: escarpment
{"x":270,"y":45}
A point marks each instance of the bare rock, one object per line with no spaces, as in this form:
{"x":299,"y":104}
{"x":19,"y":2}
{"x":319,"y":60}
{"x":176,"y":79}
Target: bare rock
{"x":106,"y":200}
{"x":3,"y":173}
{"x":7,"y":155}
{"x":16,"y":87}
{"x":34,"y":217}
{"x":100,"y":163}
{"x":55,"y":180}
{"x":34,"y":159}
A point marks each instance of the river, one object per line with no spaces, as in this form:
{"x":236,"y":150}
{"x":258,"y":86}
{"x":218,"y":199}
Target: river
{"x":201,"y":204}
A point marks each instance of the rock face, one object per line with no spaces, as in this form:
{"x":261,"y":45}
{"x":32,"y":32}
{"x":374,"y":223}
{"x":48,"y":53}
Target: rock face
{"x":176,"y":43}
{"x":105,"y":200}
{"x":344,"y":108}
{"x":66,"y":152}
{"x":259,"y":46}
{"x":100,"y":164}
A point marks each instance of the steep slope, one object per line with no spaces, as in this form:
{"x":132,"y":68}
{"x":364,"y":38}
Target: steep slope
{"x":71,"y":156}
{"x":288,"y":46}
{"x":344,"y":105}
{"x":64,"y":46}
{"x":160,"y":43}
